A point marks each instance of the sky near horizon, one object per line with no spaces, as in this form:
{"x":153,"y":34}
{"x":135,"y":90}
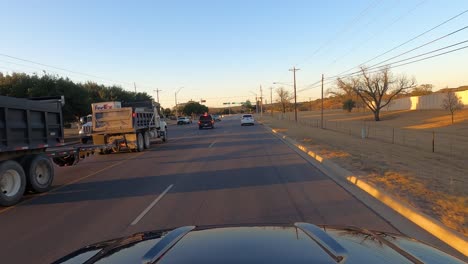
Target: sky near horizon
{"x":223,"y":51}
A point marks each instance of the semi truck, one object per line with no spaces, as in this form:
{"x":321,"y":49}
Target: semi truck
{"x":86,"y":129}
{"x":127,"y":126}
{"x":31,"y":139}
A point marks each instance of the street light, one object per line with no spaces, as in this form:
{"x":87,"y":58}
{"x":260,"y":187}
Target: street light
{"x":288,"y":84}
{"x":176,"y":100}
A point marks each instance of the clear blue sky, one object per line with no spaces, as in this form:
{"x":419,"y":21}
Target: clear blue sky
{"x":220,"y":49}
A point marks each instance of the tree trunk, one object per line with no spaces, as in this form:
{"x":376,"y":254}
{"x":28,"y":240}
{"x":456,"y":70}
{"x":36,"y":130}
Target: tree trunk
{"x":452,"y":118}
{"x":377,"y":115}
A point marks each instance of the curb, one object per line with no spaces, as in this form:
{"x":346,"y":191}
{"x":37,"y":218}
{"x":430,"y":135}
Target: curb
{"x":429,"y":224}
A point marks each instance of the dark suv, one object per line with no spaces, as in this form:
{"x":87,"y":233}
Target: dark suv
{"x":205,"y":121}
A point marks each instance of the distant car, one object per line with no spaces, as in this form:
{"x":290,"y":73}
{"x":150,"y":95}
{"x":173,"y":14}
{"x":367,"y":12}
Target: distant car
{"x":217,"y":118}
{"x":288,"y":243}
{"x":184,"y":120}
{"x":247,"y":120}
{"x":206,"y":121}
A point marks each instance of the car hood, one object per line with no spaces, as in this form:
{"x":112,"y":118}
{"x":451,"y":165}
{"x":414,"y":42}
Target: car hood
{"x":296,"y":243}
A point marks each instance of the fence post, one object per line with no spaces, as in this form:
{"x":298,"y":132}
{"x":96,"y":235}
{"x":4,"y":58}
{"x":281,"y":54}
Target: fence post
{"x":433,"y":139}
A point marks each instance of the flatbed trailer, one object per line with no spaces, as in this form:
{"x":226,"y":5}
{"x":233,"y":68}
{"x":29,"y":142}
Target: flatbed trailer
{"x":31,"y":138}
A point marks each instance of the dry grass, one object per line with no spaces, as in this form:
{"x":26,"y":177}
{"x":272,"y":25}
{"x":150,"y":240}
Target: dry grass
{"x":435,"y":183}
{"x":449,"y":209}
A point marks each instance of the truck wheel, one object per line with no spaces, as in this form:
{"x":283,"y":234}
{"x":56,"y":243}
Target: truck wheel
{"x":140,"y":143}
{"x":12,"y":182}
{"x":146,"y":138}
{"x":164,"y":139}
{"x":39,"y":173}
{"x":84,"y":140}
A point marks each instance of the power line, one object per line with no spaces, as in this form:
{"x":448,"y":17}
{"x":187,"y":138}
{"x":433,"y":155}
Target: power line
{"x":426,"y":53}
{"x":343,"y":30}
{"x":404,"y":43}
{"x":423,"y":45}
{"x":378,"y":33}
{"x":63,"y":69}
{"x":390,"y":66}
{"x":430,"y":57}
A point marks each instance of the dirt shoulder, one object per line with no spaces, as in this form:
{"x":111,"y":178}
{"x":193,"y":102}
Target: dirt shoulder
{"x":432,"y":182}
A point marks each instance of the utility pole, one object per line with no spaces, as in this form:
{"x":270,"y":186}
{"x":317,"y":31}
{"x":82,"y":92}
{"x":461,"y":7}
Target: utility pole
{"x":321,"y":115}
{"x":256,"y":105}
{"x":271,"y":100}
{"x":310,"y":104}
{"x":261,"y":101}
{"x":294,"y":69}
{"x":157,"y":94}
{"x":134,"y":86}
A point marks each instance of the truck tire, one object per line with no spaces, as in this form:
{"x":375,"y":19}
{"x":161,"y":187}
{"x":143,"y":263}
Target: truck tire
{"x":146,"y":139}
{"x":12,"y":182}
{"x":39,"y":173}
{"x":140,"y":143}
{"x":164,"y":138}
{"x":84,"y":140}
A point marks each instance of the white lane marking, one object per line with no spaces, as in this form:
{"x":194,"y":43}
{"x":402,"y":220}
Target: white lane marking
{"x":151,"y":205}
{"x":211,"y":144}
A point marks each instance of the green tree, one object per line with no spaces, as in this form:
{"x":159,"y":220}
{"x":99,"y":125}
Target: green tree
{"x":167,"y":111}
{"x":423,"y":89}
{"x":348,"y":105}
{"x":194,"y":108}
{"x":78,"y":96}
{"x":248,"y":105}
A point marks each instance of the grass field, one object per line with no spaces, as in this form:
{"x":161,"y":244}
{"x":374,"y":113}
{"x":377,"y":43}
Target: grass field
{"x":396,"y":155}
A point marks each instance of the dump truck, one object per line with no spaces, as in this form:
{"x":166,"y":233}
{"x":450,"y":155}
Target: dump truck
{"x":127,"y":126}
{"x":31,"y":138}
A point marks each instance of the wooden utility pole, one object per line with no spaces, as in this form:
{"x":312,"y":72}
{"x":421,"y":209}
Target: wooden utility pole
{"x":294,"y":69}
{"x":321,"y":115}
{"x":271,"y":100}
{"x":134,"y":86}
{"x":261,"y":101}
{"x":157,"y":94}
{"x":310,"y":104}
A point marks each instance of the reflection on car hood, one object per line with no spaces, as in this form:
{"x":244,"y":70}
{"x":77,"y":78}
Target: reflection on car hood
{"x":297,"y":243}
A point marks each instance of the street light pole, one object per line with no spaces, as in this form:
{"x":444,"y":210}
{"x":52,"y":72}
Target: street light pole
{"x":294,"y":69}
{"x":177,"y":112}
{"x":271,"y":100}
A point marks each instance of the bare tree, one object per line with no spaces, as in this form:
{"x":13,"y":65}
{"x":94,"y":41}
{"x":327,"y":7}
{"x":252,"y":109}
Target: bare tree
{"x":452,"y":103}
{"x":283,"y":98}
{"x":377,"y":90}
{"x":345,"y":90}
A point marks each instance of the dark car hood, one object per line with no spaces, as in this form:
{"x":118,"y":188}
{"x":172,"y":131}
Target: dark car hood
{"x":298,"y":243}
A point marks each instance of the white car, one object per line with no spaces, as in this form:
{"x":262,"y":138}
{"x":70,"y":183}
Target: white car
{"x":247,"y":120}
{"x":184,"y":120}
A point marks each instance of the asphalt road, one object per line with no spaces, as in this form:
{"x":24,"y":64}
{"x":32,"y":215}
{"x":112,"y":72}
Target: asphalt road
{"x":227,"y":175}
